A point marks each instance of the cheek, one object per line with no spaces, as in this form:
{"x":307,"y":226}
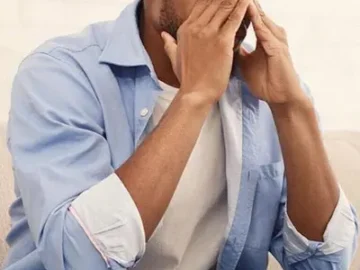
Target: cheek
{"x":152,"y":10}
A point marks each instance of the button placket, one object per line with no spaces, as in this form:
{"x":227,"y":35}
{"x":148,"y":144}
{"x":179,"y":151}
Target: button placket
{"x":146,"y":93}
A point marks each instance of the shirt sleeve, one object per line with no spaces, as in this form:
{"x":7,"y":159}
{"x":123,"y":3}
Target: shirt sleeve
{"x":340,"y":230}
{"x":97,"y":211}
{"x":339,"y":233}
{"x":294,"y":251}
{"x":79,"y":213}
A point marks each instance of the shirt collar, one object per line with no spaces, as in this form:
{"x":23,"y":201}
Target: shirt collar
{"x":124,"y":46}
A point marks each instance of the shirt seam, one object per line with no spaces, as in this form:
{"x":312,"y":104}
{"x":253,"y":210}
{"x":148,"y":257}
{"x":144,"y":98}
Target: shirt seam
{"x":50,"y":51}
{"x":71,"y":50}
{"x":72,"y":66}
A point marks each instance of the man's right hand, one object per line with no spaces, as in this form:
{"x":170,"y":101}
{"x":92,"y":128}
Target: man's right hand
{"x":202,"y":56}
{"x":205,"y":54}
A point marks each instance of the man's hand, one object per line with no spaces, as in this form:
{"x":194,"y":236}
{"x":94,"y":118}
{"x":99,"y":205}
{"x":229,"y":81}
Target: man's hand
{"x":269,"y":71}
{"x":312,"y":190}
{"x":203,"y":61}
{"x":203,"y":55}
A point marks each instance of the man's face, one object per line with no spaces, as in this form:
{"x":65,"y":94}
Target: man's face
{"x":172,"y":13}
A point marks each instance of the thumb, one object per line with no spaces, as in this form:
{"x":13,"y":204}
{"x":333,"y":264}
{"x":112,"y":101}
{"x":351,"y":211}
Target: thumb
{"x":170,"y":47}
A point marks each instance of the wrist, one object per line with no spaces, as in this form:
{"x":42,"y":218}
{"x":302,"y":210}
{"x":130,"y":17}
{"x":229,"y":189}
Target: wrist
{"x":191,"y":105}
{"x":195,"y":100}
{"x":286,"y":110}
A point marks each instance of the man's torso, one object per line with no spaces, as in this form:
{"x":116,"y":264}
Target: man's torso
{"x":125,"y":91}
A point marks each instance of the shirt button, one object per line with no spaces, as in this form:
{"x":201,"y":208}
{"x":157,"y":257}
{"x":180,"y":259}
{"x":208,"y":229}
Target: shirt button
{"x":144,"y":112}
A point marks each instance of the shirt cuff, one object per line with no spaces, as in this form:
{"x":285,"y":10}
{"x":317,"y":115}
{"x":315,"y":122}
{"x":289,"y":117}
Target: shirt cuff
{"x":338,"y":235}
{"x":111,"y":220}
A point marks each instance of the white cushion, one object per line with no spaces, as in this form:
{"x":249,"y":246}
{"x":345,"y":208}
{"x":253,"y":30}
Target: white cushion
{"x":6,"y":192}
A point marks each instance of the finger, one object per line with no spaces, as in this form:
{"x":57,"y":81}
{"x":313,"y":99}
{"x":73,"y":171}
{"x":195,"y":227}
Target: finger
{"x":224,"y":10}
{"x":209,"y":12}
{"x":262,"y":32}
{"x":170,"y":47}
{"x":278,"y":31}
{"x":236,"y":17}
{"x":197,"y":10}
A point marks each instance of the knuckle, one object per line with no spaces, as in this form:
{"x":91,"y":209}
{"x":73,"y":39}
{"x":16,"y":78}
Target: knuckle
{"x":260,"y":22}
{"x":209,"y":32}
{"x":202,"y":34}
{"x":227,"y":4}
{"x":264,"y":31}
{"x":276,"y":48}
{"x":223,"y":41}
{"x":262,"y":14}
{"x":194,"y":30}
{"x":282,"y":31}
{"x":284,"y":49}
{"x":233,"y":17}
{"x":199,"y":32}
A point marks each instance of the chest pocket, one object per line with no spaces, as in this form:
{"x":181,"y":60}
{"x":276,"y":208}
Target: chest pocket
{"x":266,"y":204}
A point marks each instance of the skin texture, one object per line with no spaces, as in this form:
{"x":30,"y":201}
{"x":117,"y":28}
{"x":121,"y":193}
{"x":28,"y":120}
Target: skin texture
{"x":163,"y":155}
{"x":199,"y":61}
{"x":168,"y":15}
{"x":313,"y":191}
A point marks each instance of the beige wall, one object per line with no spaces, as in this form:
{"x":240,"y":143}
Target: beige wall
{"x":324,"y":37}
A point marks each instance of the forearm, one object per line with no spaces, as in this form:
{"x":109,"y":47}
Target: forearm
{"x":312,"y":189}
{"x":152,"y":173}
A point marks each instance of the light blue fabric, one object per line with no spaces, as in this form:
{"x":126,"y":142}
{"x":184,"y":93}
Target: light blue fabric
{"x":75,"y":118}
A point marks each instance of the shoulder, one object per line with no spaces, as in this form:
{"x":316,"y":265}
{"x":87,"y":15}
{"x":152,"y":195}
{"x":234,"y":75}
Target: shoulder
{"x":78,"y":52}
{"x":62,"y":67}
{"x":90,"y":40}
{"x":55,"y":80}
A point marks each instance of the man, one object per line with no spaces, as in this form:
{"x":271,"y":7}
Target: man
{"x":127,"y":155}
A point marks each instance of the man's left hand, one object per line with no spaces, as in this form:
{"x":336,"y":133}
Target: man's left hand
{"x":269,"y":71}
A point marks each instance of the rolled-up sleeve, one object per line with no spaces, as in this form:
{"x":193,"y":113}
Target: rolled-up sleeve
{"x":97,"y":211}
{"x":339,"y":233}
{"x":295,"y":251}
{"x":79,"y":212}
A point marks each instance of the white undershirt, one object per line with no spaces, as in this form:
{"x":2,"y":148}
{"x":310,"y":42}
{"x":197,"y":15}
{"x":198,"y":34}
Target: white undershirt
{"x":193,"y":227}
{"x":191,"y":232}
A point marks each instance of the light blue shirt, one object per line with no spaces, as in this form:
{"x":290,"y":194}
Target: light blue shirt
{"x":80,"y":106}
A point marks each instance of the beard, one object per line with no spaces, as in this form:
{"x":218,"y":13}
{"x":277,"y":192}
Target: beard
{"x":169,"y":20}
